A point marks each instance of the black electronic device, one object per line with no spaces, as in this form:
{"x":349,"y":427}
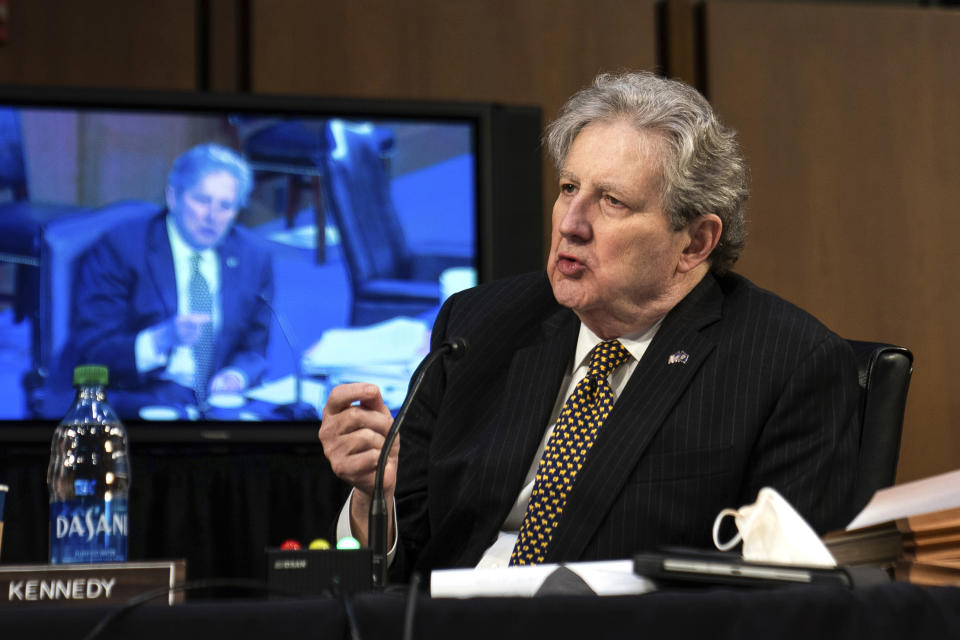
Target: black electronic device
{"x":695,"y":567}
{"x":318,"y":571}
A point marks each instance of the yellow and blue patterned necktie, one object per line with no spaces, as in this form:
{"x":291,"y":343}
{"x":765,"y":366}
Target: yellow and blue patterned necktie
{"x":576,"y":429}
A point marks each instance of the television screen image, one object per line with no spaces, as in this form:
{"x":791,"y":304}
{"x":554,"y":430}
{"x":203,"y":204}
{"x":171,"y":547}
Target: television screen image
{"x":327,"y":265}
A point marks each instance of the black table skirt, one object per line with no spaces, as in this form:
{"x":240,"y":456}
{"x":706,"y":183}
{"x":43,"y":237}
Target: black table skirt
{"x":216,"y":506}
{"x":896,"y":611}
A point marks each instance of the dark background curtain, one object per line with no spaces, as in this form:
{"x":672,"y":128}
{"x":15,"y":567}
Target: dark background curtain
{"x":217,"y":506}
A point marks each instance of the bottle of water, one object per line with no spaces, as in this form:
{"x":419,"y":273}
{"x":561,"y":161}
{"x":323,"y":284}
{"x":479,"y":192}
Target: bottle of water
{"x":89,"y":477}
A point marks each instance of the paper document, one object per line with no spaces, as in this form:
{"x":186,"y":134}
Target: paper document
{"x":911,"y":499}
{"x":399,"y":341}
{"x":606,"y":578}
{"x":302,"y":237}
{"x":283,"y":391}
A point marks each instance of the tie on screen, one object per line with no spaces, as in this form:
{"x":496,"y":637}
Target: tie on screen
{"x":201,"y":301}
{"x":580,"y":419}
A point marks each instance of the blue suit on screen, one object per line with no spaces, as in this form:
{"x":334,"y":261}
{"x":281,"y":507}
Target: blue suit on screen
{"x":125,"y":283}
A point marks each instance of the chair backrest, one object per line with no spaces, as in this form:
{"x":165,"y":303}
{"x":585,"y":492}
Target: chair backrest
{"x":13,"y":173}
{"x":63,"y":242}
{"x":884,"y":372}
{"x":357,"y":188}
{"x":283,"y":146}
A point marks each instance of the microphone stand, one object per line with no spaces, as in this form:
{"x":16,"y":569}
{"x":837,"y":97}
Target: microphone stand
{"x":299,"y":410}
{"x":377,"y":521}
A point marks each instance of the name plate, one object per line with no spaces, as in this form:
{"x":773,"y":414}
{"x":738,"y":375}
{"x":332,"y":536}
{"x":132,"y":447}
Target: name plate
{"x":86,"y":584}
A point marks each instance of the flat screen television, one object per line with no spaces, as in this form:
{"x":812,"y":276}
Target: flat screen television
{"x":369,"y":212}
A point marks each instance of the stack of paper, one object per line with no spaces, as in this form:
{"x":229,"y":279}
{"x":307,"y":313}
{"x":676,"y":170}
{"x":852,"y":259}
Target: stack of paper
{"x":605,"y":578}
{"x":913,"y":529}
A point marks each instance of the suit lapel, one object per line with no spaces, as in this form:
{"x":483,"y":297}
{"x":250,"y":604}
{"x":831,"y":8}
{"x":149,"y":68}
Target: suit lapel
{"x":533,"y":380}
{"x":230,"y":276}
{"x":160,"y":265}
{"x":659,"y":380}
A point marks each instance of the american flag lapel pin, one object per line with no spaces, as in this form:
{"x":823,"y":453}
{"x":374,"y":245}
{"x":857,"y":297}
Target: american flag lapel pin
{"x":680,"y":357}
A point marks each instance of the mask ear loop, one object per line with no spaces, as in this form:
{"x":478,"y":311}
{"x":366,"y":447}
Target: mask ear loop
{"x":732,"y":542}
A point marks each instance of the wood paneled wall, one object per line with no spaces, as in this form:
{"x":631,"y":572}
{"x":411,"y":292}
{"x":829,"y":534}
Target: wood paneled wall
{"x":848,"y":117}
{"x":101,"y":43}
{"x":515,"y":51}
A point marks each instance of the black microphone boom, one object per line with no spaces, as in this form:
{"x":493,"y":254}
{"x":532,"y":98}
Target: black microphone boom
{"x":377,"y":522}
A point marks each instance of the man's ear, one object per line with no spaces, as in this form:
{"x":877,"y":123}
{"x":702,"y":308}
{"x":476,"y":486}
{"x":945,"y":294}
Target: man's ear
{"x":171,"y":198}
{"x":703,"y":234}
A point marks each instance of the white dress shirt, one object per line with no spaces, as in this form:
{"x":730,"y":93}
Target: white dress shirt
{"x":179,"y":364}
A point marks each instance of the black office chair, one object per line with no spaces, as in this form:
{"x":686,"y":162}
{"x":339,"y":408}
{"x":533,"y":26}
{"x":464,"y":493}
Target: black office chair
{"x":884,"y":372}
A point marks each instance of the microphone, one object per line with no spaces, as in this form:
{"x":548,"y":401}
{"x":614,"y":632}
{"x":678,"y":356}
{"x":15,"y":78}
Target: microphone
{"x":377,"y":522}
{"x":299,"y":410}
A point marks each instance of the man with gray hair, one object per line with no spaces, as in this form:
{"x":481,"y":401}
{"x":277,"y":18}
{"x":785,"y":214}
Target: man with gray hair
{"x":619,"y":401}
{"x":175,"y":302}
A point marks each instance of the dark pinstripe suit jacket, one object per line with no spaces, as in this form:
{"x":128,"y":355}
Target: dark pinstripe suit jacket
{"x":767,"y":397}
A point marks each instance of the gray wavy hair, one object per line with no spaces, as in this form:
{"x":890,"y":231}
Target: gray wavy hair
{"x":703,"y":168}
{"x":204,"y":159}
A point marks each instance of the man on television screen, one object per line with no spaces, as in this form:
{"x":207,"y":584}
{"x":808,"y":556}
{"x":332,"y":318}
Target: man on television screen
{"x":621,"y":399}
{"x":176,"y":304}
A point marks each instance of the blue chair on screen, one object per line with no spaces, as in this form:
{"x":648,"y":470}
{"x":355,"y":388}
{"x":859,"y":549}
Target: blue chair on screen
{"x":62,"y":241}
{"x":17,"y":251}
{"x":21,"y":220}
{"x":387,"y":277}
{"x":13,"y":172}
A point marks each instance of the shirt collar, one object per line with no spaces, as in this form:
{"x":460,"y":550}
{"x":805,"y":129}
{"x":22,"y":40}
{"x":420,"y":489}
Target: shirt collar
{"x":634,"y":343}
{"x":181,"y":250}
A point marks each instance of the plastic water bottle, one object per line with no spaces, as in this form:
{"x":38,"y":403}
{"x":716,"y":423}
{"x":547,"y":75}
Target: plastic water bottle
{"x":89,"y":477}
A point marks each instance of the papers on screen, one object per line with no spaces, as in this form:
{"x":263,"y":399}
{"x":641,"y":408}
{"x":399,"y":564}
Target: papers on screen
{"x":384,"y":354}
{"x":606,"y":578}
{"x":397,"y":341}
{"x":283,"y":391}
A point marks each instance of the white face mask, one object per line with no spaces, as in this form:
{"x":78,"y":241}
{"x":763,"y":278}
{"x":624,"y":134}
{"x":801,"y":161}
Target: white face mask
{"x":772,"y":531}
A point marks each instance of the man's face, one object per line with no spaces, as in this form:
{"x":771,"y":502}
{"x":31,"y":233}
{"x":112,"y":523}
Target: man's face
{"x":205,"y":211}
{"x":613,"y":254}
